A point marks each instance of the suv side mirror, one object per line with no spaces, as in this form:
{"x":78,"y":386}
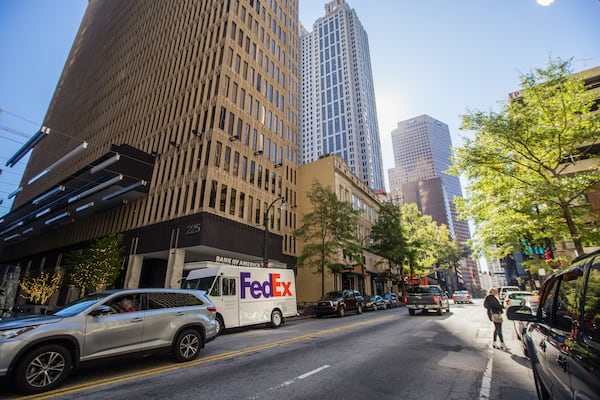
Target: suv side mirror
{"x":101,"y":310}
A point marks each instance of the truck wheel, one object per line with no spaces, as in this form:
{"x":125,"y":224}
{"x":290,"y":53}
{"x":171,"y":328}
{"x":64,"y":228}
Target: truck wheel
{"x":187,"y":345}
{"x":43,"y":369}
{"x":276,"y":319}
{"x":411,"y":311}
{"x":359,"y":309}
{"x":440,"y":311}
{"x":318,"y":315}
{"x":341,"y":311}
{"x":220,"y":324}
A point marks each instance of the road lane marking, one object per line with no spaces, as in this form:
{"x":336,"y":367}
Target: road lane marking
{"x":200,"y":361}
{"x":314,"y":371}
{"x":486,"y":382}
{"x":291,"y":381}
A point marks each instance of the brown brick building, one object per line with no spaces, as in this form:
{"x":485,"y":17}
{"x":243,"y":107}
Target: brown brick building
{"x":175,"y":123}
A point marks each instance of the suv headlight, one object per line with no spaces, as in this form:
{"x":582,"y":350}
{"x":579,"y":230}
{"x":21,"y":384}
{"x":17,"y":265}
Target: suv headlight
{"x":11,"y":333}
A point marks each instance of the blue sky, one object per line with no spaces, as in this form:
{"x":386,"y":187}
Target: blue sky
{"x":436,"y":57}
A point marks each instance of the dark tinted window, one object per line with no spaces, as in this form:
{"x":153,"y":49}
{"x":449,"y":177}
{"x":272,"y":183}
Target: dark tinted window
{"x":567,"y":301}
{"x":159,"y":300}
{"x":426,"y":290}
{"x":332,"y":296}
{"x":591,"y":310}
{"x":548,"y":302}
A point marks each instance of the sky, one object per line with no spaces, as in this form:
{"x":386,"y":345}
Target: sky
{"x":436,"y":57}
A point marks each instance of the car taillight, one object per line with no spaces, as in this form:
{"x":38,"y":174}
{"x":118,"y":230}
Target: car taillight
{"x":435,"y":299}
{"x":212,"y":309}
{"x":453,"y":296}
{"x":405,"y":299}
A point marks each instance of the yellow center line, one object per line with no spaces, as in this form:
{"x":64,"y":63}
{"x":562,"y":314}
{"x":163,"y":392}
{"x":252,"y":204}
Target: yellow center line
{"x":200,"y":361}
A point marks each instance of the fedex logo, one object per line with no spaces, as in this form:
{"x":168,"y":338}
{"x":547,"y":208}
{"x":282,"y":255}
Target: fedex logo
{"x":274,"y":287}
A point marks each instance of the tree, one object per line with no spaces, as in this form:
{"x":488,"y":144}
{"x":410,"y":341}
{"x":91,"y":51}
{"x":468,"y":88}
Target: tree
{"x":39,"y":289}
{"x":388,"y":237}
{"x":326,"y":231}
{"x":98,"y":266}
{"x":520,"y":163}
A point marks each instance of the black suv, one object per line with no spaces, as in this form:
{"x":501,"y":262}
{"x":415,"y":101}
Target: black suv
{"x":339,"y":302}
{"x":563,"y":339}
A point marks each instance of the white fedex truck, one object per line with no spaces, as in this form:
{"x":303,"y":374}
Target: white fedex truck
{"x":245,"y":295}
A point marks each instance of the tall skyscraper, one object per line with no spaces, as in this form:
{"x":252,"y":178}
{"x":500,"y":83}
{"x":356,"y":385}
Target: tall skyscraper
{"x":422,"y":150}
{"x":338,"y":113}
{"x":175,"y":124}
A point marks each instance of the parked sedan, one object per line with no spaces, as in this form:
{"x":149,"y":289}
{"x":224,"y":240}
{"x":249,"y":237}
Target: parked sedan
{"x":392,"y":300}
{"x":520,"y":327}
{"x":514,"y":298}
{"x":375,"y":303}
{"x":462,"y":296}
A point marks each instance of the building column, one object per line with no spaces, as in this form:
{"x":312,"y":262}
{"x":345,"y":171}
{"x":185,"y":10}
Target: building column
{"x":134,"y":270}
{"x":175,"y":268}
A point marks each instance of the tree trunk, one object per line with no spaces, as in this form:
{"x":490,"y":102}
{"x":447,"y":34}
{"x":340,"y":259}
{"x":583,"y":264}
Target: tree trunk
{"x":572,"y":228}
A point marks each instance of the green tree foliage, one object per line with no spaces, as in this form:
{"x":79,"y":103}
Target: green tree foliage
{"x":326,"y":232}
{"x":422,"y":236}
{"x":388,"y":238}
{"x":520,"y":164}
{"x":98,"y":266}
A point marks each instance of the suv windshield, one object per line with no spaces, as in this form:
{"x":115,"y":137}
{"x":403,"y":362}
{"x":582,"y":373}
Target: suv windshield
{"x":332,"y":296}
{"x":79,"y":305}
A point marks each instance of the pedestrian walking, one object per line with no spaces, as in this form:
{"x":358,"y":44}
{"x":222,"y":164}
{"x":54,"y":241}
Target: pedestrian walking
{"x":494,"y":312}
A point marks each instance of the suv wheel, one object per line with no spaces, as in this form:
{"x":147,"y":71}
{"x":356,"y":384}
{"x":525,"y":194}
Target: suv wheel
{"x":359,"y":309}
{"x":411,"y":311}
{"x":187,"y":346}
{"x":341,"y":311}
{"x":276,"y":319}
{"x":43,"y":369}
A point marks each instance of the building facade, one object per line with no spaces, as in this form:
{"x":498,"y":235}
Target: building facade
{"x":175,"y":124}
{"x":331,"y":171}
{"x":422,"y":150}
{"x":338,"y":109}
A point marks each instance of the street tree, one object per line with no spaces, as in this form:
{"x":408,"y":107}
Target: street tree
{"x":521,"y":164}
{"x":388,"y":239}
{"x":326,"y":232}
{"x":97,"y":266}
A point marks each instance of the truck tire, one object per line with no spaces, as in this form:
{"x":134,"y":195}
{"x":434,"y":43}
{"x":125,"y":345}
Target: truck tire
{"x":220,"y":324}
{"x":440,"y":311}
{"x":359,"y":309}
{"x":276,"y":319}
{"x":43,"y":369}
{"x":411,"y":311}
{"x":341,"y":311}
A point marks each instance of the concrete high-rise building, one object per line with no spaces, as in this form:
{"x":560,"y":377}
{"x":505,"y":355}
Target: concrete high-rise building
{"x":338,"y":112}
{"x":175,"y":124}
{"x":422,"y":150}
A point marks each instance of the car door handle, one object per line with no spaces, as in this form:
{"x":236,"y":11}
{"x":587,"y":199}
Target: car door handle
{"x":179,"y":313}
{"x":136,"y":319}
{"x":543,"y":345}
{"x":562,"y":362}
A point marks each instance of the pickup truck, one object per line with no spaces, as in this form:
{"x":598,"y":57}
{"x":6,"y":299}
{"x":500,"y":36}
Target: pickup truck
{"x":426,"y":298}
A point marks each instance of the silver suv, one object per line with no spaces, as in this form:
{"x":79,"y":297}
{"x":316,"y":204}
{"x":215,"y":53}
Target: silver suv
{"x":40,"y":352}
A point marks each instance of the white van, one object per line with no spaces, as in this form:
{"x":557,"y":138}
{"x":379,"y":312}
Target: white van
{"x":245,"y":295}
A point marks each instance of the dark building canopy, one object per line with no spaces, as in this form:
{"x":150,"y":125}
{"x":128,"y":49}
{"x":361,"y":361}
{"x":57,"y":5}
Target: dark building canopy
{"x":119,"y":176}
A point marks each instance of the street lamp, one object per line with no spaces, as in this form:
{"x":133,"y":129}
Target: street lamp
{"x":266,"y":223}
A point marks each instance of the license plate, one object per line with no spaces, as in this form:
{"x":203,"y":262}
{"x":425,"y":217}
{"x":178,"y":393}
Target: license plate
{"x":421,"y":306}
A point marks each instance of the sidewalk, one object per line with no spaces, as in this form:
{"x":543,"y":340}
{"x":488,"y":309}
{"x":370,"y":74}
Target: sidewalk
{"x":511,"y":375}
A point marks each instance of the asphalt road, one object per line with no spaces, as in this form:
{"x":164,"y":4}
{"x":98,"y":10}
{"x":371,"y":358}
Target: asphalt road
{"x":377,"y":355}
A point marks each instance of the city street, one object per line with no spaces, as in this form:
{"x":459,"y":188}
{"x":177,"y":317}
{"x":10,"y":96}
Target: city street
{"x":380,"y":355}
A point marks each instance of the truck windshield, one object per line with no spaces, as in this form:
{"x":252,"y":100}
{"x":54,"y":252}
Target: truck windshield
{"x":199,"y":283}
